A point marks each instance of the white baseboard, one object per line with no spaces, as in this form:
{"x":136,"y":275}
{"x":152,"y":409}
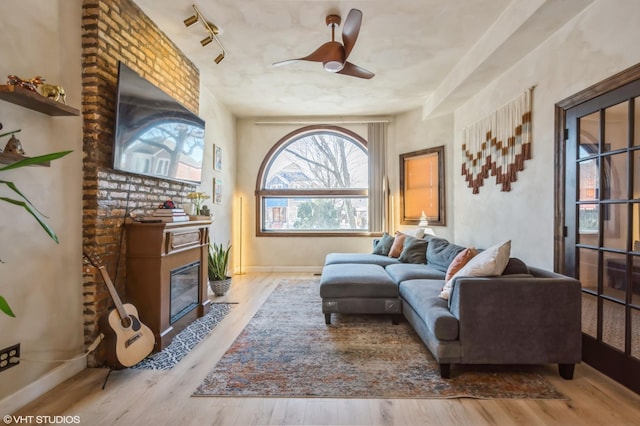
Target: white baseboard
{"x":285,"y":269}
{"x":44,"y":384}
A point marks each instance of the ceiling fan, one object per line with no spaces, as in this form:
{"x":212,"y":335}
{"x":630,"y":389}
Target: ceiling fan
{"x":333,"y":54}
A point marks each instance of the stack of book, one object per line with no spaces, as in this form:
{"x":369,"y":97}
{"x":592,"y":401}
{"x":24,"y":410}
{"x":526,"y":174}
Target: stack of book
{"x":167,"y":215}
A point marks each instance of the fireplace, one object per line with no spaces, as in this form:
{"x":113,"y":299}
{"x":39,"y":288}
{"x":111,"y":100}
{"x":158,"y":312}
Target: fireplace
{"x":183,"y":284}
{"x":167,"y":275}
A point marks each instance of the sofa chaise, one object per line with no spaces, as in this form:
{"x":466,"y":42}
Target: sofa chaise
{"x":521,"y":315}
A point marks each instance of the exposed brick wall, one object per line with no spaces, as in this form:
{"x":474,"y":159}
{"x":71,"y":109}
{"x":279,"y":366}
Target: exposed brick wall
{"x":117,"y":30}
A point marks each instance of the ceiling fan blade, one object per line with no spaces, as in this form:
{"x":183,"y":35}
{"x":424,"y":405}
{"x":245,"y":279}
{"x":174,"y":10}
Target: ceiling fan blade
{"x":350,"y":30}
{"x":324,"y":53}
{"x":355,"y":71}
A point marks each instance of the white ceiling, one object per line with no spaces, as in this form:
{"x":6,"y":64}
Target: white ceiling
{"x":432,"y":52}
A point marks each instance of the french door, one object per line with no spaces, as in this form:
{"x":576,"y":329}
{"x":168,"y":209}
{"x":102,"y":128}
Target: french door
{"x":602,"y":226}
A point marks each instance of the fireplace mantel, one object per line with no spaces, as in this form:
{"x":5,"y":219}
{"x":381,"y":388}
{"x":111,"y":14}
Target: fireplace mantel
{"x":153,"y":251}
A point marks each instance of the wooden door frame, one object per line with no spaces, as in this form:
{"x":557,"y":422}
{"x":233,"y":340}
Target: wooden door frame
{"x":620,"y":79}
{"x":592,"y":350}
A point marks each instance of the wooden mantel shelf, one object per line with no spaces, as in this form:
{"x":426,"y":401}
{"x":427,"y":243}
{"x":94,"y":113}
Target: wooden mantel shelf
{"x":32,"y":100}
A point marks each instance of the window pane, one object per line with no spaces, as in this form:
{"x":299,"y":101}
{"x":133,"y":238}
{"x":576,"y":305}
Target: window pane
{"x":636,"y":173}
{"x":589,"y":135}
{"x":319,"y":160}
{"x":636,"y":228}
{"x":614,"y":185}
{"x":315,"y":214}
{"x":636,"y":138}
{"x":588,"y":183}
{"x":615,"y":275}
{"x":616,"y":127}
{"x":613,"y":322}
{"x":588,"y":224}
{"x":635,"y":333}
{"x":588,"y":269}
{"x":615,"y":226}
{"x":589,"y":314}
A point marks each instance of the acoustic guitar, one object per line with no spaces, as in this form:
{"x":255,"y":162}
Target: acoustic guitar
{"x":128,"y":340}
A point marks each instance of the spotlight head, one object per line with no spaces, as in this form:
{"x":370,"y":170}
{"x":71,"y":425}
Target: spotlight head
{"x":219,"y":58}
{"x":206,"y":41}
{"x":191,"y":20}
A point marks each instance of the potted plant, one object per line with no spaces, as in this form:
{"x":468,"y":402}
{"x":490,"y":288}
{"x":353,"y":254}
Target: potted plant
{"x":21,"y":200}
{"x":219,"y":281}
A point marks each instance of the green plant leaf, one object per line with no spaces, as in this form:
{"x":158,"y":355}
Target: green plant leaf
{"x":218,"y":261}
{"x":31,"y":161}
{"x":35,"y":214}
{"x":4,"y":307}
{"x":15,"y":189}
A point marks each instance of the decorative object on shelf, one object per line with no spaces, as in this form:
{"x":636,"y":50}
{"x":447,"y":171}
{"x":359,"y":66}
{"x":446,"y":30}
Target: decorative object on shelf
{"x":218,"y":263}
{"x":30,"y":84}
{"x":22,"y":201}
{"x":14,"y":146}
{"x":424,"y":223}
{"x":204,"y":211}
{"x":498,"y":144}
{"x":212,"y":29}
{"x":168,"y":205}
{"x":55,"y":92}
{"x":197,"y":198}
{"x":33,"y":100}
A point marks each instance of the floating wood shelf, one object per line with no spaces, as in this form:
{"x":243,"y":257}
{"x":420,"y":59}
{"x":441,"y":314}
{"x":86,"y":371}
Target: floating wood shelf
{"x":35,"y":101}
{"x":8,"y":158}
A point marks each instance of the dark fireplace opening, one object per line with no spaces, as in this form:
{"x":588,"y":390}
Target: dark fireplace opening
{"x":184,"y":290}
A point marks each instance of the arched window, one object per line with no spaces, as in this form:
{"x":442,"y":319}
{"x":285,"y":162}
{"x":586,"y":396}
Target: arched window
{"x":314,"y":180}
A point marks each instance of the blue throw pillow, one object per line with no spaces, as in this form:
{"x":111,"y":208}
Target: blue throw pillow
{"x":414,"y":250}
{"x":440,"y":253}
{"x":383,"y":245}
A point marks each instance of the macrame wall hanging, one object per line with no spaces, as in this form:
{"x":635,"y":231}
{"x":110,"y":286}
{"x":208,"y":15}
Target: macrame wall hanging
{"x":498,"y":144}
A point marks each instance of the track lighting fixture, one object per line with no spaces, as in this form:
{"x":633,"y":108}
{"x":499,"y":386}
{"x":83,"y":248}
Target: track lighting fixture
{"x":190,"y":20}
{"x":209,"y":27}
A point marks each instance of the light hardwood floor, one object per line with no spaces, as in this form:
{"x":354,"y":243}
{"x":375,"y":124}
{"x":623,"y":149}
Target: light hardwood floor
{"x":164,"y":397}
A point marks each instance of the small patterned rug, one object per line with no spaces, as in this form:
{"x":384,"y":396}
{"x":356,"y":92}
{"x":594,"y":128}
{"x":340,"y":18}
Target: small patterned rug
{"x":287,"y":350}
{"x":186,"y":340}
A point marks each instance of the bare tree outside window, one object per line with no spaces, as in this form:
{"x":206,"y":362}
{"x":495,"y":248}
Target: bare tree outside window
{"x":321,"y":179}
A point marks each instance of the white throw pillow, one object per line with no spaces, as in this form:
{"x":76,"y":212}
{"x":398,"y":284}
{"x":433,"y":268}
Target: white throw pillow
{"x":488,"y":263}
{"x":416,"y":233}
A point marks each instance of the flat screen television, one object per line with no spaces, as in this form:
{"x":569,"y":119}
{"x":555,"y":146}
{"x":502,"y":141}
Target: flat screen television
{"x":155,"y":135}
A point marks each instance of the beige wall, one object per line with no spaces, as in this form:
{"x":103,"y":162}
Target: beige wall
{"x":219,"y":130}
{"x":279,"y":253}
{"x":41,"y":280}
{"x":598,"y":43}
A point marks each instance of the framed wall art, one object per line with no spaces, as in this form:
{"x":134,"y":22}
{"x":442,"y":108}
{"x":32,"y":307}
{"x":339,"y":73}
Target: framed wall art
{"x":217,"y":191}
{"x":422,"y":186}
{"x":217,"y":157}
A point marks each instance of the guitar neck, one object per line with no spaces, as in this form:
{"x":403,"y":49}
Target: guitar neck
{"x":112,"y":290}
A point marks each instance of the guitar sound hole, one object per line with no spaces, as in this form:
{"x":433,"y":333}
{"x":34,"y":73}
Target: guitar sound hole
{"x":126,"y":322}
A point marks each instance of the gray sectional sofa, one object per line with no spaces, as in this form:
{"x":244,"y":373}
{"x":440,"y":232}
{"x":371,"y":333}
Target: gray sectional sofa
{"x":526,"y":315}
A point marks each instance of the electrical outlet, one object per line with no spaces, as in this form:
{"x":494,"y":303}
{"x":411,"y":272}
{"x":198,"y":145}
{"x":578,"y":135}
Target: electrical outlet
{"x":6,"y":354}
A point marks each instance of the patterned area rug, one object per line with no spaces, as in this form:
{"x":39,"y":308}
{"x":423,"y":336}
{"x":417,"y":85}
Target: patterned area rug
{"x":287,"y":350}
{"x":184,"y":341}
